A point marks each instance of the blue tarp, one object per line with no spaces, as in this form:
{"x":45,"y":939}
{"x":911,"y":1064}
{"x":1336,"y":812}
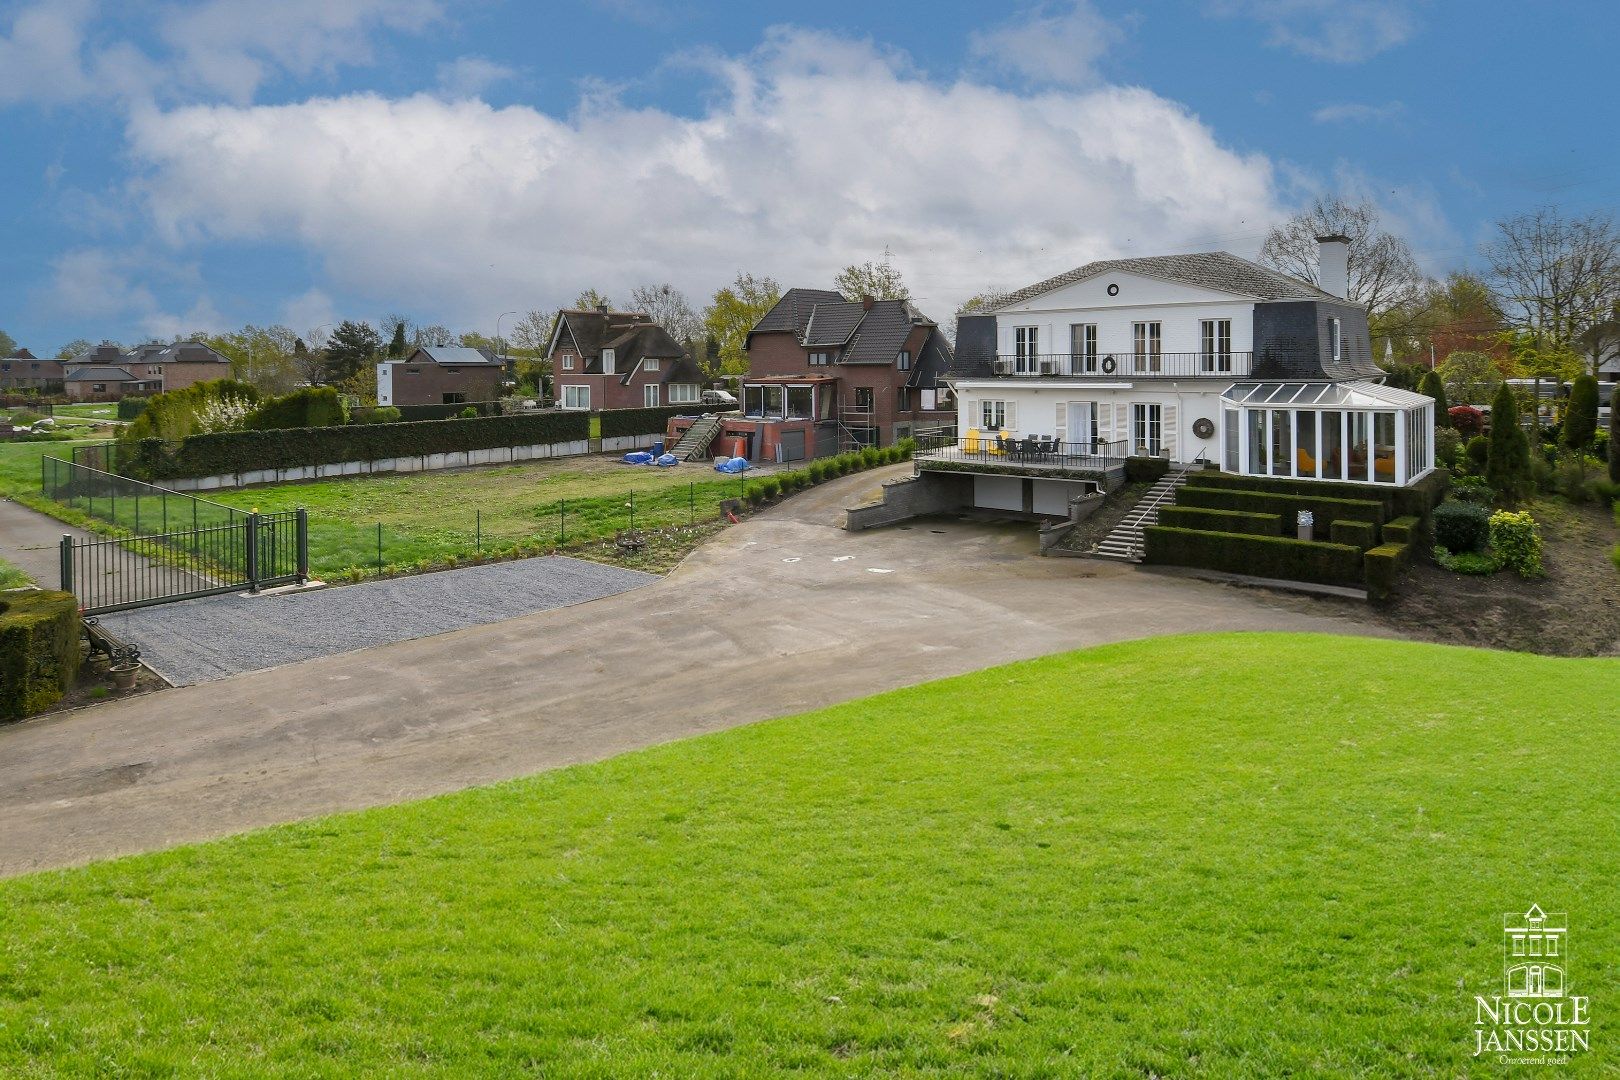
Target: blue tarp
{"x":638,"y":457}
{"x":667,"y":460}
{"x":732,"y":465}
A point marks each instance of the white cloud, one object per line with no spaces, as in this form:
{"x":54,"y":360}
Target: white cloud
{"x":821,"y":151}
{"x":101,"y":284}
{"x":1337,"y":31}
{"x":1060,"y":46}
{"x":1358,"y":113}
{"x":309,"y":311}
{"x":470,"y":76}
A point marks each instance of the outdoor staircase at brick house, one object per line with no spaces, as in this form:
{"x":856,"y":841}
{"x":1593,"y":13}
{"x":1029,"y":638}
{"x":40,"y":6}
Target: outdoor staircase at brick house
{"x":697,"y":439}
{"x":1125,"y":541}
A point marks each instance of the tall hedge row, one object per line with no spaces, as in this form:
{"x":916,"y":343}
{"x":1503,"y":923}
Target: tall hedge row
{"x":1415,"y":501}
{"x":39,"y":651}
{"x":620,"y":423}
{"x":1237,"y":521}
{"x":1323,"y":508}
{"x":1258,"y":556}
{"x":313,"y":406}
{"x":244,"y":451}
{"x":407,"y":413}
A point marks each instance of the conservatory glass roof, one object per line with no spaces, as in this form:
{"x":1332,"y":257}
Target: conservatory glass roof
{"x":1323,"y":395}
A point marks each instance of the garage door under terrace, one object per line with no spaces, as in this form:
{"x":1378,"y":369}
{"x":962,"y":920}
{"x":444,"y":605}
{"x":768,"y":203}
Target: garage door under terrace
{"x":167,"y":545}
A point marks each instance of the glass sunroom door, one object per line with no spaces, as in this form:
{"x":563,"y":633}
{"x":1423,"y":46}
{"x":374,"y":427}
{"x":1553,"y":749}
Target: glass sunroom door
{"x":1082,"y":433}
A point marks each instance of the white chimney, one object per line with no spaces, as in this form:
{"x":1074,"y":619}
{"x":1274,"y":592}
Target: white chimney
{"x":1333,"y":257}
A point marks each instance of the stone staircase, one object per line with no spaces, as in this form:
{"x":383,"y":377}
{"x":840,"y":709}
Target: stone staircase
{"x":1125,"y":541}
{"x":697,"y":439}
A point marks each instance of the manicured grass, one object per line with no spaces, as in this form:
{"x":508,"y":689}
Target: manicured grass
{"x":19,"y":464}
{"x":432,"y":517}
{"x":96,"y":410}
{"x":1221,"y":856}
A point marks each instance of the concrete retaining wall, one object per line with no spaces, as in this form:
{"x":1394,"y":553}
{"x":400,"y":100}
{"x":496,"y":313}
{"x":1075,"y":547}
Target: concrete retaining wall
{"x":621,"y":444}
{"x":913,"y":496}
{"x":500,"y":455}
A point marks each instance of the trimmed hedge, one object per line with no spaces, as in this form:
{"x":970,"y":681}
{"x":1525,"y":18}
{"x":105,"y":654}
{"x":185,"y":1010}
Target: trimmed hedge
{"x":1146,"y":469}
{"x":245,"y":451}
{"x":1403,"y":530}
{"x":1259,"y":556}
{"x":620,"y":423}
{"x":1358,"y":534}
{"x":1415,"y":501}
{"x":1382,"y":567}
{"x":39,"y":651}
{"x":761,"y":491}
{"x":1232,"y":521}
{"x":313,"y":406}
{"x":1461,"y":526}
{"x":365,"y":414}
{"x":1326,"y":509}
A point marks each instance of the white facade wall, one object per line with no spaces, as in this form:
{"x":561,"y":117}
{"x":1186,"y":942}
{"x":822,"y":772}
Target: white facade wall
{"x":1037,"y":409}
{"x":385,"y":384}
{"x":1179,"y":309}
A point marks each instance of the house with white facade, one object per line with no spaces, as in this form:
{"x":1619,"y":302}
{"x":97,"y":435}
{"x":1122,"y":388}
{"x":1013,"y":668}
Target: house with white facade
{"x":1194,"y":358}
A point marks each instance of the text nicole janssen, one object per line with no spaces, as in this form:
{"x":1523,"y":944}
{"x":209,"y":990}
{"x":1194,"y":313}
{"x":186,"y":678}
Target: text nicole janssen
{"x":1502,"y":1025}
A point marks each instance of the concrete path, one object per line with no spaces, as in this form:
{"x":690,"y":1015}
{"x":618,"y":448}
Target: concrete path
{"x":783,"y":613}
{"x":214,"y":638}
{"x":29,"y":541}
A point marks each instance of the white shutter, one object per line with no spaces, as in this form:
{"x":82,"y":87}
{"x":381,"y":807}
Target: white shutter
{"x":1063,"y":421}
{"x":1169,"y":431}
{"x":1105,"y":421}
{"x":1012,"y":416}
{"x":969,"y":413}
{"x":1122,"y":425}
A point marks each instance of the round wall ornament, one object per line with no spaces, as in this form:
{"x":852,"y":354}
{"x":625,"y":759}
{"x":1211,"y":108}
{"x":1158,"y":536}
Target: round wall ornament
{"x":1203,"y":427}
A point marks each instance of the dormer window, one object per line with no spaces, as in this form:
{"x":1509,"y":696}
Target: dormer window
{"x":608,"y":362}
{"x":1335,"y":340}
{"x":820,"y":359}
{"x":568,"y":361}
{"x":650,"y":364}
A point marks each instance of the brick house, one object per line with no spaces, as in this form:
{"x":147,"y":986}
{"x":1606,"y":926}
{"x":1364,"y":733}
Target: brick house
{"x":177,"y":366}
{"x":105,"y":382}
{"x":874,"y":370}
{"x":603,"y":359}
{"x":440,"y":375}
{"x":22,"y":370}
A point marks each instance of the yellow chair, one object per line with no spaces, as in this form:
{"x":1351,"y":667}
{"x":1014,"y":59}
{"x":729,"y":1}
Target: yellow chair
{"x":1384,"y":465}
{"x":970,"y":441}
{"x":1307,"y":464}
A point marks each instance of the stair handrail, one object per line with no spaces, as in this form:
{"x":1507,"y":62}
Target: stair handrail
{"x":1139,"y":545}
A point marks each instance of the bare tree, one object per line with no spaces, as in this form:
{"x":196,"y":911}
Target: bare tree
{"x":669,"y":308}
{"x":432,"y":337}
{"x":879,"y":280}
{"x":1383,"y":274}
{"x":532,"y":334}
{"x":1558,"y":277}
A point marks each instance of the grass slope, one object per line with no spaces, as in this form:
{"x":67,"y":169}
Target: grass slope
{"x":1220,"y":856}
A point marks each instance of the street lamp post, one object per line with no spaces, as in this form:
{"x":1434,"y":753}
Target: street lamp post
{"x":500,"y":345}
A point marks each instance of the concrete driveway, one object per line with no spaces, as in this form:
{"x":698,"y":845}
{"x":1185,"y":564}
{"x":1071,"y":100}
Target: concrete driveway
{"x":783,"y":613}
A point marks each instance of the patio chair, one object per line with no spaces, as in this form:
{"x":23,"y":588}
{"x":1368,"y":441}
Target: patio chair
{"x":970,"y":441}
{"x":1001,"y":446}
{"x":1307,"y":464}
{"x":1031,"y":447}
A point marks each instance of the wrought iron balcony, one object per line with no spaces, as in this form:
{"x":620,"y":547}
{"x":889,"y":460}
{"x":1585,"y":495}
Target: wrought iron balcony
{"x":1027,"y":454}
{"x":1122,"y":365}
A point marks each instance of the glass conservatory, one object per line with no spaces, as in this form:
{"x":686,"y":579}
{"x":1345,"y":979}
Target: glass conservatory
{"x":1356,"y":431}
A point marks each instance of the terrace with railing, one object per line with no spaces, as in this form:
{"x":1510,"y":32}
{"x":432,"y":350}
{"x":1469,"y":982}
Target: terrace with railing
{"x":999,"y":452}
{"x":1219,"y":364}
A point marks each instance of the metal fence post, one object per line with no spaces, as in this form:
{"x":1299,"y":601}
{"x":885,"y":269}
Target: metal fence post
{"x":478,"y":529}
{"x":379,"y":547}
{"x":251,"y":551}
{"x":303,"y":545}
{"x":562,"y":517}
{"x":65,"y":562}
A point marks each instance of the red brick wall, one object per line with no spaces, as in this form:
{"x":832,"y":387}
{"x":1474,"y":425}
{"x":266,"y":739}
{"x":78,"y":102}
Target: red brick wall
{"x":433,"y":381}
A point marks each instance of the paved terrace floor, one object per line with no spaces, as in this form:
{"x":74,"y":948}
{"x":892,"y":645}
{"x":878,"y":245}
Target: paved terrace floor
{"x":783,"y":613}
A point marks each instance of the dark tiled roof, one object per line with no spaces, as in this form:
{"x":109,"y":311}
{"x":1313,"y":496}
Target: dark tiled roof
{"x":882,"y":332}
{"x":22,"y":354}
{"x":632,"y":336}
{"x":792,"y":312}
{"x":1218,"y":270}
{"x":155,"y":352}
{"x":831,"y":323}
{"x":99,"y":373}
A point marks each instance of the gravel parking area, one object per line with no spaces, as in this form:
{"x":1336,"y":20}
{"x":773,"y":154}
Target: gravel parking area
{"x":216,"y":637}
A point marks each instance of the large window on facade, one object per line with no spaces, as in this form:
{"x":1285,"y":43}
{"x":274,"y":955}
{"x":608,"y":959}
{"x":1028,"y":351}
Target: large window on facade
{"x":993,"y":415}
{"x":1282,"y":442}
{"x":1333,"y":456}
{"x":576,"y":397}
{"x":1147,"y":428}
{"x":902,"y":360}
{"x":649,"y":395}
{"x":800,"y":403}
{"x":1216,"y":352}
{"x":1026,"y":348}
{"x":1148,"y":340}
{"x":1255,"y":419}
{"x":754,"y":401}
{"x":864,"y":398}
{"x":775,"y":396}
{"x":1384,"y":447}
{"x":1305,"y":459}
{"x":1083,"y":348}
{"x":683,"y":393}
{"x":609,"y":362}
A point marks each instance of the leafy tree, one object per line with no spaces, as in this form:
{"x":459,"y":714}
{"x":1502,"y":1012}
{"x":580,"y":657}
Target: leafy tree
{"x":734,"y":311}
{"x":75,"y":348}
{"x":308,"y":365}
{"x":670,"y":309}
{"x":396,"y":345}
{"x":1472,"y":376}
{"x":261,"y":355}
{"x":1507,"y":463}
{"x":1384,"y":275}
{"x":1435,"y":387}
{"x":591,"y":299}
{"x":1557,"y":277}
{"x":532,"y":334}
{"x":8,"y":344}
{"x":472,"y":339}
{"x":1580,"y":420}
{"x":352,"y":348}
{"x":879,"y":280}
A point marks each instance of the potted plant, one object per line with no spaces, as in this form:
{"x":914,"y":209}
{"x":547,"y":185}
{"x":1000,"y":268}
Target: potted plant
{"x":125,"y":667}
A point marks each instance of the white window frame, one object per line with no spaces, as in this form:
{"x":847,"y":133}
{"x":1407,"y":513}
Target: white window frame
{"x":1083,"y":361}
{"x":575,"y":391}
{"x":650,"y":364}
{"x":649,"y":396}
{"x":1026,"y":349}
{"x":684,"y":393}
{"x":1147,"y":343}
{"x":1147,"y":427}
{"x":609,"y":362}
{"x":1215,"y":345}
{"x":568,"y":362}
{"x":997,"y":414}
{"x":1336,"y":339}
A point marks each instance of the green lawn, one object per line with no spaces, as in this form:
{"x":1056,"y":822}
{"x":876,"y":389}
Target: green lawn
{"x":1239,"y":855}
{"x":432,"y":517}
{"x":19,"y":464}
{"x":11,"y":577}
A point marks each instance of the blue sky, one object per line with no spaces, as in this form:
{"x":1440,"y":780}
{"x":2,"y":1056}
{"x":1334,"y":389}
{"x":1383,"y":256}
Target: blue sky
{"x":171,"y":167}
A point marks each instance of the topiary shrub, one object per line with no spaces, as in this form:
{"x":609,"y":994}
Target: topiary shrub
{"x":1232,"y":521}
{"x":1145,"y":470}
{"x":1468,"y":420}
{"x":1478,"y":451}
{"x":1358,"y":534}
{"x":39,"y":651}
{"x":382,"y":414}
{"x":131,"y":407}
{"x":1473,"y":489}
{"x":1435,"y":387}
{"x":1403,"y":530}
{"x":468,"y":413}
{"x":1580,"y":418}
{"x":1462,"y":526}
{"x":1381,"y":567}
{"x":1261,"y":556}
{"x":1448,"y":447}
{"x":1507,"y":462}
{"x":1516,"y":542}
